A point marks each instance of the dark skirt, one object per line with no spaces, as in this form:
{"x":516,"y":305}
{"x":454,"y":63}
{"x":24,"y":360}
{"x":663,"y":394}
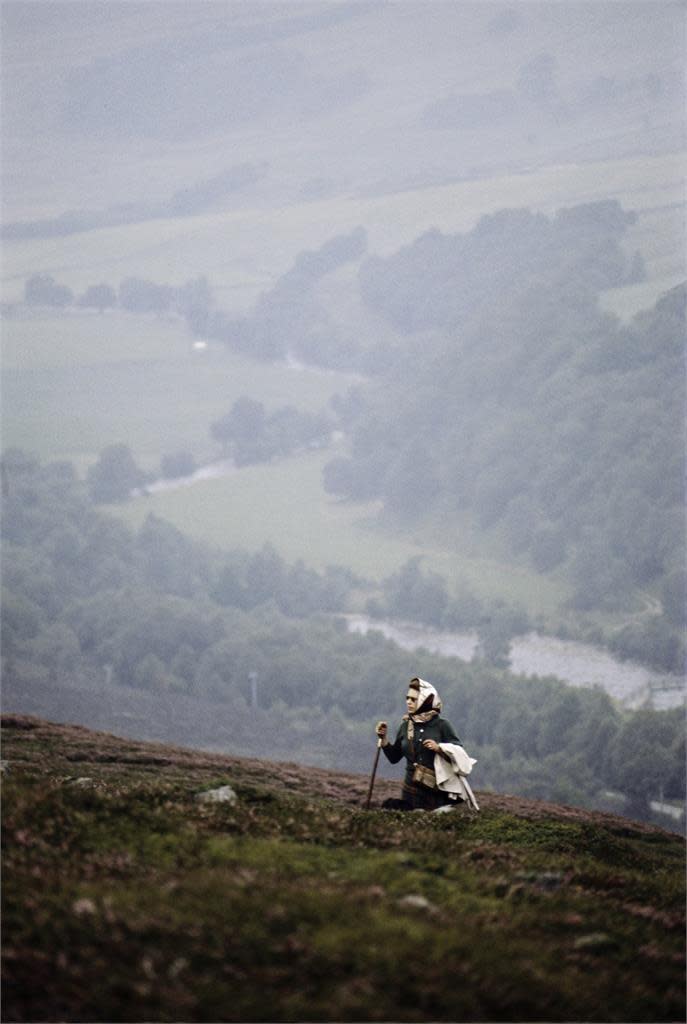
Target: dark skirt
{"x":416,"y":797}
{"x":422,"y":798}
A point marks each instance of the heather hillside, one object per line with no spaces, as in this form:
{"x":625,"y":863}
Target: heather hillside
{"x":128,"y":898}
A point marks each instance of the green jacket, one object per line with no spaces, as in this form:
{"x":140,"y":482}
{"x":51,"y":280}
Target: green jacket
{"x":439,"y":729}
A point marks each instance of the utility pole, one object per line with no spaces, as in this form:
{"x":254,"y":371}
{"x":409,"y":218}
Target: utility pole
{"x":253,"y":676}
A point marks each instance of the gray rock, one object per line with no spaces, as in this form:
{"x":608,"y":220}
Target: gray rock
{"x":223,"y":795}
{"x":84,"y":907}
{"x":595,"y":942}
{"x":416,"y":902}
{"x":547,"y":880}
{"x":518,"y":892}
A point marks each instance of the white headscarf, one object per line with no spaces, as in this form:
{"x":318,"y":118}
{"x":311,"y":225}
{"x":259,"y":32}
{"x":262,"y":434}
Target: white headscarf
{"x":425,"y":691}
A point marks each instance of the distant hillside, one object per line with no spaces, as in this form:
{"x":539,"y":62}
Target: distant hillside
{"x":126,"y":898}
{"x":338,"y":97}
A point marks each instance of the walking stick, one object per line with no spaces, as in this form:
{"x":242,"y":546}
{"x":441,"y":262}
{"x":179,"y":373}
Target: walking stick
{"x":374,"y":772}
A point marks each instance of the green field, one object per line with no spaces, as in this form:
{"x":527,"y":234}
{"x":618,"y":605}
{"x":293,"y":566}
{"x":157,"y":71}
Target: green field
{"x":243,"y":251}
{"x":73,"y":384}
{"x":285,"y":504}
{"x":659,"y":235}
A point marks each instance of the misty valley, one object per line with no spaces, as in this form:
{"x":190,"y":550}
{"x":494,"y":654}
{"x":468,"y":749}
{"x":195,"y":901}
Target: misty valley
{"x":221,"y":490}
{"x":343,"y":345}
{"x":439,"y":436}
{"x":488,"y":444}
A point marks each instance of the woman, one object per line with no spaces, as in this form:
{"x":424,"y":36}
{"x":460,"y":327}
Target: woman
{"x":418,"y":739}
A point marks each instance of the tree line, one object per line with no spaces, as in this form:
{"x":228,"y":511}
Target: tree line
{"x":250,"y":434}
{"x":287,"y":319}
{"x":185,"y":202}
{"x":134,"y":295}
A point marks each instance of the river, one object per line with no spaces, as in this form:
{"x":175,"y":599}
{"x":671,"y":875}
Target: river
{"x":210,"y":471}
{"x":534,"y":654}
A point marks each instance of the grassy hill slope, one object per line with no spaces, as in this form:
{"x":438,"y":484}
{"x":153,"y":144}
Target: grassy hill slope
{"x":126,"y":899}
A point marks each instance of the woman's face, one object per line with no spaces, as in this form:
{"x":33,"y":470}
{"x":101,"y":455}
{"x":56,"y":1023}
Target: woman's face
{"x":411,"y":701}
